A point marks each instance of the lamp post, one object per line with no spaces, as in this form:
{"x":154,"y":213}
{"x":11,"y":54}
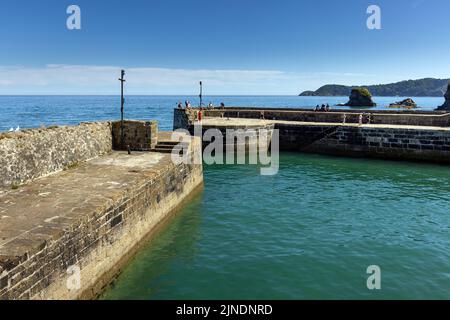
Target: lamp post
{"x":200,"y":95}
{"x":122,"y":101}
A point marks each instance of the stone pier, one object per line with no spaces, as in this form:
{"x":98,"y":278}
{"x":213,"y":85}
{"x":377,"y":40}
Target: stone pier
{"x":74,"y":210}
{"x":416,"y":136}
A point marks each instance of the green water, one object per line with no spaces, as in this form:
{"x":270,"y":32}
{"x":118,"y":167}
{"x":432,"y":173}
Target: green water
{"x":308,"y":232}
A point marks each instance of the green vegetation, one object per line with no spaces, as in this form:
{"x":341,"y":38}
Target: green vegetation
{"x":428,"y":87}
{"x":14,"y":186}
{"x":363,"y":92}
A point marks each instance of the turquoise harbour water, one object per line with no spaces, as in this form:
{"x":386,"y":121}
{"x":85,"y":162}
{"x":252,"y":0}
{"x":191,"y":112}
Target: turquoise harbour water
{"x":309,"y":232}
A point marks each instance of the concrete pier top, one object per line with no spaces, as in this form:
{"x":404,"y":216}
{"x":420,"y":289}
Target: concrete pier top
{"x":414,"y":118}
{"x":39,"y":212}
{"x":235,"y":122}
{"x":257,"y":123}
{"x":85,"y":207}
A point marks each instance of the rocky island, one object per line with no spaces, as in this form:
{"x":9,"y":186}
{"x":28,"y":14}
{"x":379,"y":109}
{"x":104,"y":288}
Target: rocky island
{"x":360,"y":97}
{"x":404,"y":104}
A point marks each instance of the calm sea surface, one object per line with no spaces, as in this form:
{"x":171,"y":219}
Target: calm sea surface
{"x":36,"y":111}
{"x":309,"y":232}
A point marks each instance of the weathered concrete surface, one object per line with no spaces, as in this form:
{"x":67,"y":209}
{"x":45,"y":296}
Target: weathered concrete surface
{"x":235,"y":123}
{"x":91,"y":217}
{"x":30,"y":154}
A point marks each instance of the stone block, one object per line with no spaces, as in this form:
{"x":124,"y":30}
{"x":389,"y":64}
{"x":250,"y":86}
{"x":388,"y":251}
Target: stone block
{"x":135,"y":135}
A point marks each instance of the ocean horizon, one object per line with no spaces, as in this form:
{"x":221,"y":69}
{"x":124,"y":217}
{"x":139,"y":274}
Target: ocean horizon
{"x":31,"y":111}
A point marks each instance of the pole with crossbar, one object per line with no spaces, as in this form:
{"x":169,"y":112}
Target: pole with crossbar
{"x":201,"y":95}
{"x":122,"y":101}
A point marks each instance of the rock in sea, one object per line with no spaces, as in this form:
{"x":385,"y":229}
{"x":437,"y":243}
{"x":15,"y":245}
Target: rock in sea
{"x":406,"y":104}
{"x":446,"y":105}
{"x":360,"y":97}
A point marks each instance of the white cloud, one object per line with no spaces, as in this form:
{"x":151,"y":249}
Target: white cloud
{"x":80,"y":79}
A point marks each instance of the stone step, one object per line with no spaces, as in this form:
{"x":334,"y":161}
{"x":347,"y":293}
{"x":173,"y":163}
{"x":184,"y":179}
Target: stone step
{"x":162,"y":150}
{"x":172,"y":143}
{"x":164,"y":146}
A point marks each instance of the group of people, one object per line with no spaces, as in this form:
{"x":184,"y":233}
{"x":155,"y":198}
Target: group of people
{"x":187,"y":104}
{"x":210,"y":106}
{"x":323,"y":108}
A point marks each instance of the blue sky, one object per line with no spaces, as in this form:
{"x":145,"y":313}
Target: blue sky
{"x":234,"y":46}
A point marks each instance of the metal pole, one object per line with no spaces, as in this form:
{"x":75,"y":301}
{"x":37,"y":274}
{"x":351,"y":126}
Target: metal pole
{"x":200,"y":94}
{"x":122,"y":101}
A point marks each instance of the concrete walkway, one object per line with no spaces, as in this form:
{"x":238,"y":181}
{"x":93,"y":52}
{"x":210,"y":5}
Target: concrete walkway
{"x":41,"y":211}
{"x":254,"y":123}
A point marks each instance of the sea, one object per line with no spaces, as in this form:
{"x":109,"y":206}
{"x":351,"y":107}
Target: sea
{"x":315,"y":230}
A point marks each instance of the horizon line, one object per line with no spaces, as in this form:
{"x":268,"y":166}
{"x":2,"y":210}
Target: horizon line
{"x":195,"y":95}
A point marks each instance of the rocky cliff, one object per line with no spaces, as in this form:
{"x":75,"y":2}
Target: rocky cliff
{"x":446,"y":105}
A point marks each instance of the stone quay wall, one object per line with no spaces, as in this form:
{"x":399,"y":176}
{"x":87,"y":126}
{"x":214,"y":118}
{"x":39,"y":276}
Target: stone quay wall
{"x":416,"y":136}
{"x":90,"y":218}
{"x":137,"y":135}
{"x":415,"y":118}
{"x":245,"y":136}
{"x":33,"y":153}
{"x":101,"y":242}
{"x":183,"y":119}
{"x":396,"y":143}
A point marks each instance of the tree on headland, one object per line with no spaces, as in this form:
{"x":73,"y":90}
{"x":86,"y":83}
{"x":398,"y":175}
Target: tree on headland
{"x":428,"y":87}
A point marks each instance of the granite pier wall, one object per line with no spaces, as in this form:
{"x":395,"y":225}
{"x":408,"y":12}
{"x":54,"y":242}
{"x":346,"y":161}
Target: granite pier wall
{"x":413,"y":118}
{"x":413,"y":144}
{"x":34,"y":153}
{"x":416,"y":136}
{"x":85,"y":222}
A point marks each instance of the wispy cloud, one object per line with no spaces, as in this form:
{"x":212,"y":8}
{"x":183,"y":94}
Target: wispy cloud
{"x":80,"y":79}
